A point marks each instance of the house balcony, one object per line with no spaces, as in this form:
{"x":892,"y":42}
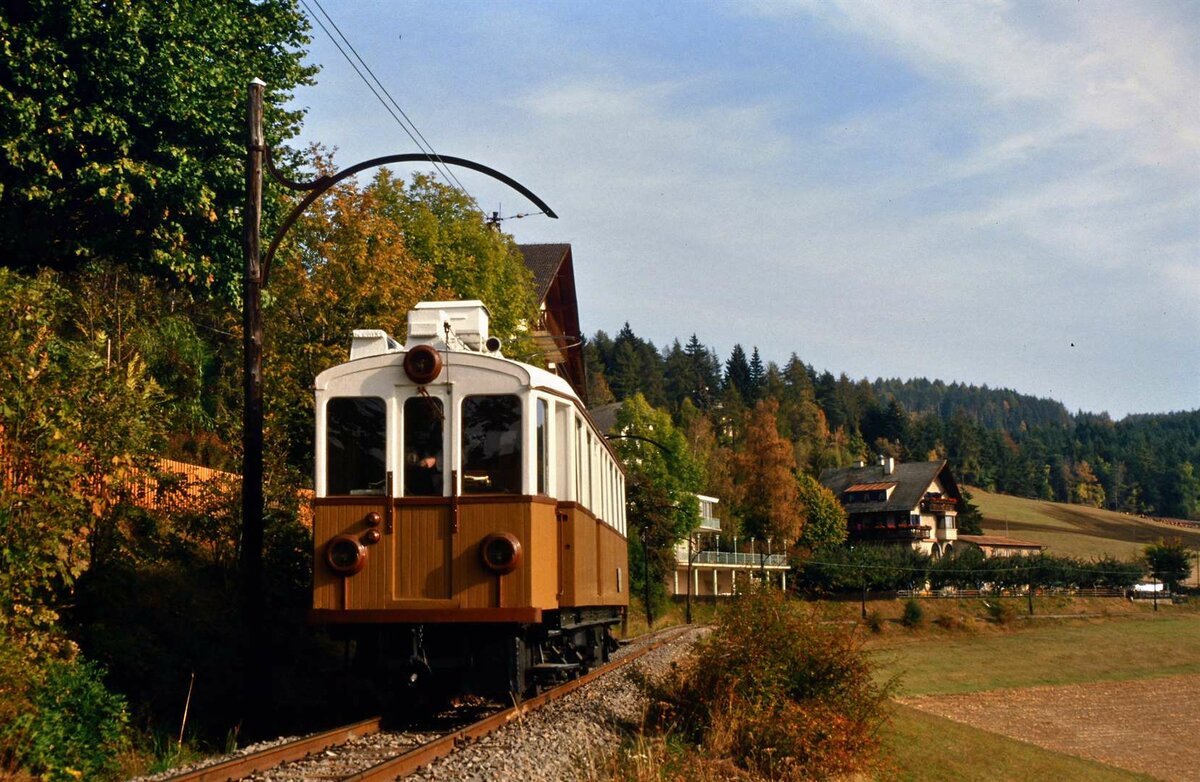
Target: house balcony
{"x":901,"y":533}
{"x":735,"y":559}
{"x":938,"y":505}
{"x":710,"y":524}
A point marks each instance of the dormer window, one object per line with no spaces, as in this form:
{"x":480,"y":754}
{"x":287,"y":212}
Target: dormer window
{"x":869,"y":492}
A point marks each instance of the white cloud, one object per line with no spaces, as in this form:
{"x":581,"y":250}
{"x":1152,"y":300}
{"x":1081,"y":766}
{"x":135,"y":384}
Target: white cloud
{"x":1042,"y":184}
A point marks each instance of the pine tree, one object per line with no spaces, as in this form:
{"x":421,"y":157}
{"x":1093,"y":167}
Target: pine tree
{"x":737,"y":374}
{"x":758,"y":376}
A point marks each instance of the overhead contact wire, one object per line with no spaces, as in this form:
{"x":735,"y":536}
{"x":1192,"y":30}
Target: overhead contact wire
{"x":419,"y":138}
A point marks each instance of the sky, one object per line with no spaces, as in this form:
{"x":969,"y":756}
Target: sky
{"x":983,"y":191}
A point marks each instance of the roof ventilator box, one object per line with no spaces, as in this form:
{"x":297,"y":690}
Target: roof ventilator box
{"x":467,"y":321}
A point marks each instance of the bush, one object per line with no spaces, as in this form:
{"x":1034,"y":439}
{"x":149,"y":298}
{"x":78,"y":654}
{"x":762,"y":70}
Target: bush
{"x":1002,"y":613}
{"x":874,"y":621}
{"x":776,"y":693}
{"x":73,"y":727}
{"x":914,"y":614}
{"x":950,"y":622}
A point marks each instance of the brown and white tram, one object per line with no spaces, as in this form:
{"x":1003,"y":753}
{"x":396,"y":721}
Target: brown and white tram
{"x":469,"y":518}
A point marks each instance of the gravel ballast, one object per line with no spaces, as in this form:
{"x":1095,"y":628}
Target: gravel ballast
{"x":567,"y":739}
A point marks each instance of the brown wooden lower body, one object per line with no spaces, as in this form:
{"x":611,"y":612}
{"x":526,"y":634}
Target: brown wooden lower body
{"x":426,"y":565}
{"x":425,"y":615}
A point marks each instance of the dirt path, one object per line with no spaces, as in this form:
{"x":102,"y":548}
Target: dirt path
{"x":1151,"y":725}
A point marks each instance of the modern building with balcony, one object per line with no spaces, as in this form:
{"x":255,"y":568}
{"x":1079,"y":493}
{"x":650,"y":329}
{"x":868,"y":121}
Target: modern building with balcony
{"x":892,"y":503}
{"x":716,"y":565}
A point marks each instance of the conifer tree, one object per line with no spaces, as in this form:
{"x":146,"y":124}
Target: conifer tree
{"x":737,"y":374}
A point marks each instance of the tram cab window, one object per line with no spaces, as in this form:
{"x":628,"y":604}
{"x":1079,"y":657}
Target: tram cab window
{"x":423,"y":462}
{"x":355,"y":444}
{"x":491,"y":444}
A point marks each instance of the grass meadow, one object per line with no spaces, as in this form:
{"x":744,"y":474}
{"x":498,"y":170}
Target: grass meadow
{"x":1075,"y":530}
{"x":927,"y":748}
{"x":1129,"y":645}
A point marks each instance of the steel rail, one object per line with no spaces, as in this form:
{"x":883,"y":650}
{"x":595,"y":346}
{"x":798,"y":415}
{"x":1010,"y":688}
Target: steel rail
{"x":413,"y":759}
{"x":237,"y":768}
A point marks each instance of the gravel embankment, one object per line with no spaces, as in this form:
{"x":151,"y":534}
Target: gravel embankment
{"x":567,"y":739}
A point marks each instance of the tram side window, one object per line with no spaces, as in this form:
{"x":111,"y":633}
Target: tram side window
{"x":491,"y":445}
{"x":578,"y":496}
{"x":355,"y":444}
{"x":423,"y":463}
{"x":542,"y":450}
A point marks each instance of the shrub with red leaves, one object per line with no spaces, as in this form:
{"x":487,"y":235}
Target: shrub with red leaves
{"x":777,"y":693}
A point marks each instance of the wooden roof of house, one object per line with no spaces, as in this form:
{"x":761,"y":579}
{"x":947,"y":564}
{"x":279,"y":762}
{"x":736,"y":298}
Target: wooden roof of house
{"x":912,"y":480}
{"x":544,"y":260}
{"x":605,"y":416}
{"x":870,"y":486}
{"x":557,"y":334}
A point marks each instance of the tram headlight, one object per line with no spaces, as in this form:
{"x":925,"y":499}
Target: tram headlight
{"x":345,"y":555}
{"x":422,"y":364}
{"x":500,"y":552}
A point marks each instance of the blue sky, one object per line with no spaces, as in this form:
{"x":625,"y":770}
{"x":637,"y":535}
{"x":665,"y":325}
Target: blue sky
{"x":983,"y":192}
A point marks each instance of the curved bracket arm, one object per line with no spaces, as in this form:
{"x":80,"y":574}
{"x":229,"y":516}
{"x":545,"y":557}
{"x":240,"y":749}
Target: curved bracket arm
{"x":638,"y":437}
{"x":319,"y":186}
{"x":281,"y":178}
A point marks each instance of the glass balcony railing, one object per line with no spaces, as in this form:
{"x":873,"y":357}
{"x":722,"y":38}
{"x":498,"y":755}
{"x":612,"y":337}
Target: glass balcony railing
{"x":732,"y":558}
{"x":710,"y":524}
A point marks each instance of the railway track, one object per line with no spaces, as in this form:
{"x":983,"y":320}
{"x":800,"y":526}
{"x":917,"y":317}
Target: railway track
{"x":365,"y":752}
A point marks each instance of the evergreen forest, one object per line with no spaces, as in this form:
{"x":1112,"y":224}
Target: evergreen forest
{"x":996,"y":439}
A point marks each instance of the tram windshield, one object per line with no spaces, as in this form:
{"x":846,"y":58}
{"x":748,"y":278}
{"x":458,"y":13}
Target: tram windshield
{"x":355,"y":444}
{"x":491,"y":444}
{"x":423,"y":423}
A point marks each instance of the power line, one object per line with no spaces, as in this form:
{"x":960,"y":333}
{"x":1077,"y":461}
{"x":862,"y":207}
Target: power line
{"x":935,"y":569}
{"x":428,"y":147}
{"x":414,"y":134}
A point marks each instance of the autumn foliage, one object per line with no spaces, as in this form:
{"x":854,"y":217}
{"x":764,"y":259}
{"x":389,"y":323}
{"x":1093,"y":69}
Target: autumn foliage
{"x":776,"y":693}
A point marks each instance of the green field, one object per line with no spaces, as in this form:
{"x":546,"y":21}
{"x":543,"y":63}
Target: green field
{"x":1060,"y":652}
{"x":927,"y":748}
{"x":1074,"y":530}
{"x":936,"y":662}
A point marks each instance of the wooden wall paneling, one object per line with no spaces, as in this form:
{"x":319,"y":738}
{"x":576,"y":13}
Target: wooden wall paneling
{"x":367,"y":585}
{"x":598,"y":585}
{"x":542,"y":555}
{"x":420,"y":553}
{"x":583,"y":545}
{"x":614,"y":554}
{"x":474,"y":585}
{"x":566,"y":526}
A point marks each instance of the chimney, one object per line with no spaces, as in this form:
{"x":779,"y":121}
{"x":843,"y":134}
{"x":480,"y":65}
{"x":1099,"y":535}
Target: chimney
{"x":888,"y":464}
{"x":860,"y":463}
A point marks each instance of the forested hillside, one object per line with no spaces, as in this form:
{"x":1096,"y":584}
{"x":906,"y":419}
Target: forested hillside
{"x":998,"y":439}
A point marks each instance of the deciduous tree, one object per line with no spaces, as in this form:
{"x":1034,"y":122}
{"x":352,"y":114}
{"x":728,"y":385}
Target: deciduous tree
{"x":662,"y":480}
{"x":1169,"y":561}
{"x":825,"y":520}
{"x":121,"y":129}
{"x":763,"y":467}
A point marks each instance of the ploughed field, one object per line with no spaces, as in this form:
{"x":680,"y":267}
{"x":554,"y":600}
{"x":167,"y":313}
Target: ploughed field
{"x":1147,"y":725}
{"x":1103,"y":698}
